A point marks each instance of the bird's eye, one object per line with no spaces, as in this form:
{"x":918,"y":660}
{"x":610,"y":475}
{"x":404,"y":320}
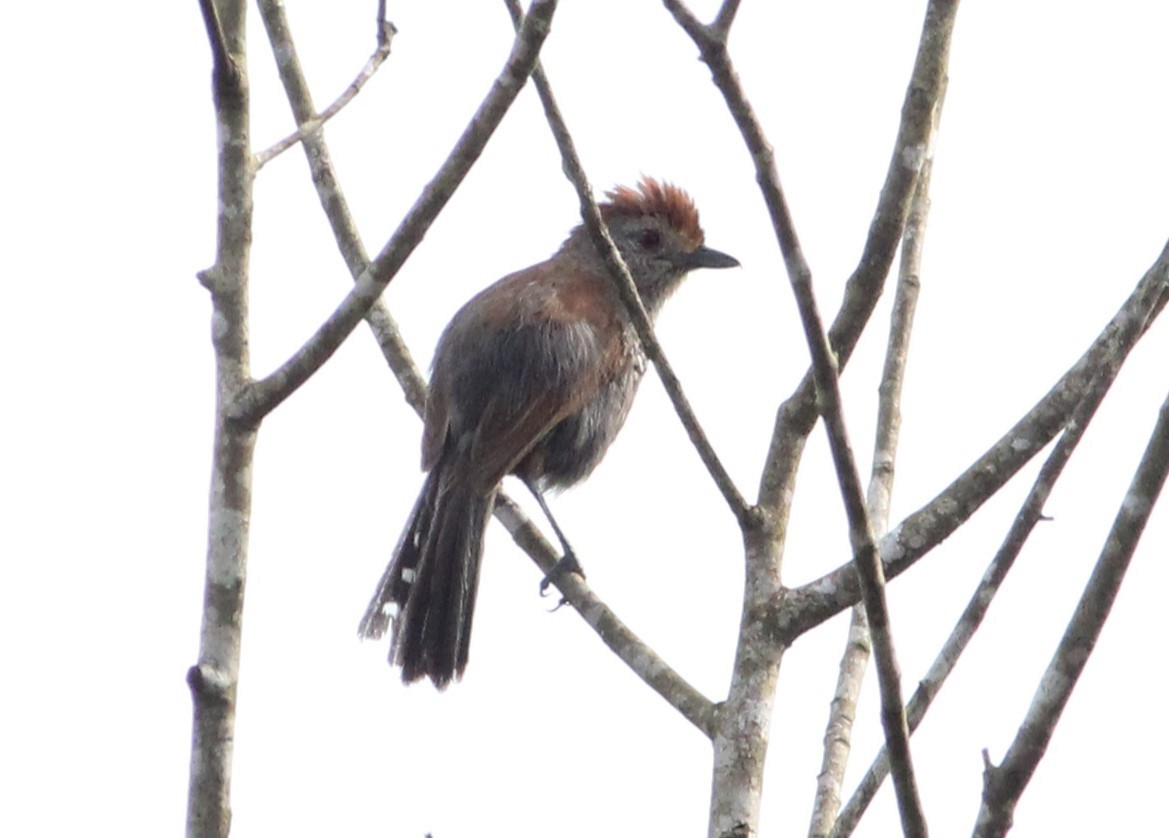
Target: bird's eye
{"x":649,"y":239}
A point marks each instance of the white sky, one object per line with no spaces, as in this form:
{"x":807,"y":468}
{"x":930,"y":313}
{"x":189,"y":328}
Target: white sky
{"x":1048,"y":206}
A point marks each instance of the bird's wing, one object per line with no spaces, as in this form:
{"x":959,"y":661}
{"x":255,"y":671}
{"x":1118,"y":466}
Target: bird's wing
{"x":530,"y":351}
{"x":509,"y":427}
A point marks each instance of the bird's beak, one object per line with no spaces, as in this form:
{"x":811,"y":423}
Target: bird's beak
{"x":705,"y":257}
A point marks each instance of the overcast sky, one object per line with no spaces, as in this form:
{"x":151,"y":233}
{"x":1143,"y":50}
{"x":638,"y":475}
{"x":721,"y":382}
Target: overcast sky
{"x":1048,"y":205}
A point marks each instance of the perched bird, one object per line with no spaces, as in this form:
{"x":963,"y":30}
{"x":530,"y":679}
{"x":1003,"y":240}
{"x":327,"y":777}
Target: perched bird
{"x":533,"y":377}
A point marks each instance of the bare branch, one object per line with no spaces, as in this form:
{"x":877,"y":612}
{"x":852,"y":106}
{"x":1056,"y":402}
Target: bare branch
{"x":838,"y":731}
{"x":743,"y":724}
{"x":214,"y":678}
{"x":861,"y":535}
{"x":732,"y":811}
{"x":743,"y":731}
{"x":1030,"y":513}
{"x":797,"y":415}
{"x":741,"y":737}
{"x":227,"y":72}
{"x":932,"y":60}
{"x":897,"y":353}
{"x":629,"y":296}
{"x":385,"y":35}
{"x":385,"y":29}
{"x":332,"y":198}
{"x":799,"y":609}
{"x":1004,"y":784}
{"x":854,"y":661}
{"x":631,"y":649}
{"x":725,"y":17}
{"x":260,"y":398}
{"x":696,"y":29}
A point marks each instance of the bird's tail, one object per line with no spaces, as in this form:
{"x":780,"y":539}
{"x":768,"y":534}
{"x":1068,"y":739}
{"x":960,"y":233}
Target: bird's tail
{"x":432,"y":579}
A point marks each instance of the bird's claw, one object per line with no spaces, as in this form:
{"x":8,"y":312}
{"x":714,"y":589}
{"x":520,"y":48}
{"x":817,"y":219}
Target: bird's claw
{"x":565,"y":565}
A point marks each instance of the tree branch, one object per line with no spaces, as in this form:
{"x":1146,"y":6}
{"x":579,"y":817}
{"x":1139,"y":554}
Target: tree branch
{"x":336,"y":208}
{"x":257,"y":400}
{"x":797,"y":414}
{"x":854,"y":661}
{"x":227,"y":71}
{"x":313,"y":124}
{"x":1004,"y":784}
{"x":797,"y":610}
{"x":599,"y":233}
{"x":214,"y":678}
{"x":860,"y":529}
{"x":1030,"y":513}
{"x":776,"y":485}
{"x":742,"y":736}
{"x":632,"y":650}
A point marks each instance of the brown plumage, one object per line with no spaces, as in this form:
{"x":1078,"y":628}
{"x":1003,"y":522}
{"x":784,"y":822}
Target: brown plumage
{"x":534,"y":377}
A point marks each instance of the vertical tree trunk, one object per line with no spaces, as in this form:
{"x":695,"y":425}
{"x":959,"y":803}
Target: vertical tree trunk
{"x":214,"y":678}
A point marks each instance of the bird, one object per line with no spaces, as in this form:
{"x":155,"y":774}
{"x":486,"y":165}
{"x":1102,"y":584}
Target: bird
{"x":533,"y":377}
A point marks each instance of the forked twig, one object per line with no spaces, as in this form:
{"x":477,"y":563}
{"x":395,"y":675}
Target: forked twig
{"x":385,"y":36}
{"x":333,"y":203}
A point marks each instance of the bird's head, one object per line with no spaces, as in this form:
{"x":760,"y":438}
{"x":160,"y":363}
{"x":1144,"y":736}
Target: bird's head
{"x":655,"y":227}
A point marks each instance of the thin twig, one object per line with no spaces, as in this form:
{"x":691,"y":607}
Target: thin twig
{"x":1030,"y":513}
{"x":632,"y":650}
{"x":591,"y":216}
{"x":800,"y":609}
{"x":386,"y":31}
{"x":324,"y":176}
{"x":1005,"y":783}
{"x":854,"y":661}
{"x":260,"y":398}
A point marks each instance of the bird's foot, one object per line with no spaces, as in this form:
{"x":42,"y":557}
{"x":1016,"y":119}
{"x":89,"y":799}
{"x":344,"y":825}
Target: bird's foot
{"x":565,"y":565}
